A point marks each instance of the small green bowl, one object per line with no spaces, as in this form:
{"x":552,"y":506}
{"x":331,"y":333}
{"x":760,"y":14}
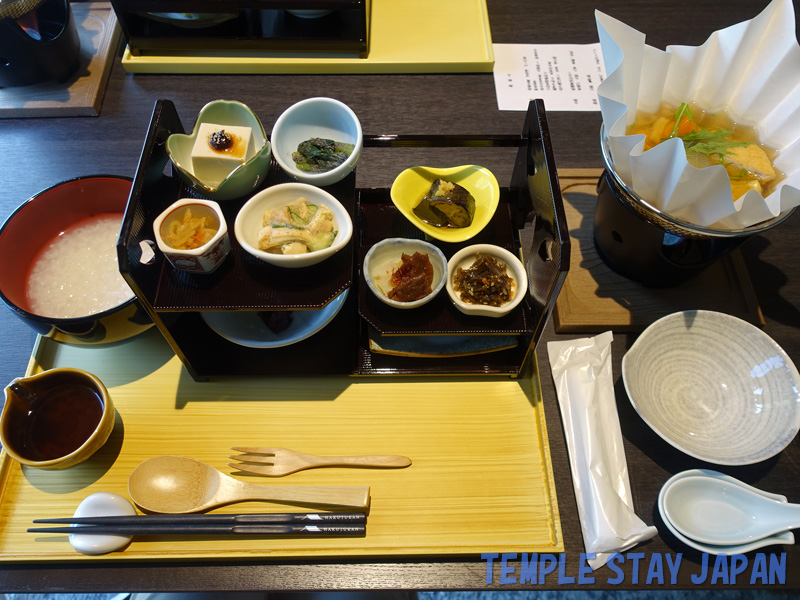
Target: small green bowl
{"x":245,"y":179}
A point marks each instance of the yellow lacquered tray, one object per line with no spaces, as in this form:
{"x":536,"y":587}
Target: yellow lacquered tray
{"x":481,"y":478}
{"x":407,"y":36}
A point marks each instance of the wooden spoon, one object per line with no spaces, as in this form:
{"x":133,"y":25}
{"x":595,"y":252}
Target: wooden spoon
{"x":176,"y":484}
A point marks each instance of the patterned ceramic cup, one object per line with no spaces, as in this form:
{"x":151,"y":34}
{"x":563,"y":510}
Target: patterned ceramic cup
{"x":174,"y":225}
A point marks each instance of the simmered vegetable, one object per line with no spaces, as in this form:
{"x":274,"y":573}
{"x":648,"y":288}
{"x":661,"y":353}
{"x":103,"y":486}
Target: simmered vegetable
{"x":710,"y":143}
{"x":446,"y":204}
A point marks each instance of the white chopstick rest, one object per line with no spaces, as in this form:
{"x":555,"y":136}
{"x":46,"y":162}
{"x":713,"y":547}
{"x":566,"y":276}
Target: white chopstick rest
{"x":101,"y":504}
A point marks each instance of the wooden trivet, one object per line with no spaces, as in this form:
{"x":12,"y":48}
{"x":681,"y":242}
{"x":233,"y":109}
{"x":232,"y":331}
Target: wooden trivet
{"x":595,"y":298}
{"x":82,"y":94}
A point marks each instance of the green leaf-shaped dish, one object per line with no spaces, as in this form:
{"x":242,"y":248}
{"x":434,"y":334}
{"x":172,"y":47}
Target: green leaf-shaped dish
{"x":245,"y":179}
{"x":412,"y":184}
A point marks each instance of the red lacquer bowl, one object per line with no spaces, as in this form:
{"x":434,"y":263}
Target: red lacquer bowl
{"x":33,"y":226}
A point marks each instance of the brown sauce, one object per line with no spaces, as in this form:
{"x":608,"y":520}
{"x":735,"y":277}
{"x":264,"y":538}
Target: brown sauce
{"x":224,"y":142}
{"x":58,"y":422}
{"x":412,"y":279}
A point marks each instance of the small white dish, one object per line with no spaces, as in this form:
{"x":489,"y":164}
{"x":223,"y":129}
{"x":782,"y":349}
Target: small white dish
{"x":206,"y":258}
{"x":786,"y":538}
{"x":247,"y":328}
{"x":382,"y":258}
{"x":714,"y":386}
{"x":316,"y":118}
{"x":465,"y":258}
{"x":101,"y":504}
{"x":250,"y":221}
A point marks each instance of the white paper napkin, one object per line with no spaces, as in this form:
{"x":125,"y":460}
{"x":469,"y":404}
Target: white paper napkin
{"x":752,"y":69}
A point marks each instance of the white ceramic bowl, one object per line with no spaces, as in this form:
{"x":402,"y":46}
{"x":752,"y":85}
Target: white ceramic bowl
{"x":250,"y":219}
{"x":321,"y":118}
{"x":714,"y":386}
{"x":465,"y":257}
{"x":209,"y":256}
{"x":379,"y":261}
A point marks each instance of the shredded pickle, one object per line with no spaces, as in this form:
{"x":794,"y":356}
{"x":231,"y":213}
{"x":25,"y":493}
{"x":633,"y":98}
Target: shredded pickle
{"x":485,"y":282}
{"x":189,"y":232}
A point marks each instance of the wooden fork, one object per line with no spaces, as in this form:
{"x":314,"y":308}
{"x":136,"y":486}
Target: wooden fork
{"x":276,"y":462}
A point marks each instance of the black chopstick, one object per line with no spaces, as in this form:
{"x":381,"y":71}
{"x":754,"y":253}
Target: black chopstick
{"x":232,"y":519}
{"x":212,"y":529}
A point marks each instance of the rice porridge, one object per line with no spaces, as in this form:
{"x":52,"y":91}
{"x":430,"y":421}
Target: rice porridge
{"x":77,"y":273}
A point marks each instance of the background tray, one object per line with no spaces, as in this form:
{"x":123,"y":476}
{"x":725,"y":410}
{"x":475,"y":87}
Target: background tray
{"x":482,"y":481}
{"x":595,"y":298}
{"x":412,"y":36}
{"x":82,"y":94}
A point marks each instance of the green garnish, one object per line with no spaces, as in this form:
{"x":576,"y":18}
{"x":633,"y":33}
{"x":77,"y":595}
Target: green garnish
{"x":683,"y":111}
{"x":318,"y":155}
{"x":703,"y":141}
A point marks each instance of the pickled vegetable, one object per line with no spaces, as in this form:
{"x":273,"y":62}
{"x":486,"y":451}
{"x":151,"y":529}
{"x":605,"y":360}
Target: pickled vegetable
{"x":189,"y":232}
{"x":412,"y":279}
{"x":485,"y":282}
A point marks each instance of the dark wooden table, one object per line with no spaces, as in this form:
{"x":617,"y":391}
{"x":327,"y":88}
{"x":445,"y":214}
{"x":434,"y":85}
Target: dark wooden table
{"x":36,"y":153}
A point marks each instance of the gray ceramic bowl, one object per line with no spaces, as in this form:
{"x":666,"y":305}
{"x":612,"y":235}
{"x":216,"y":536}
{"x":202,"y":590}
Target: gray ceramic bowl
{"x":714,"y":387}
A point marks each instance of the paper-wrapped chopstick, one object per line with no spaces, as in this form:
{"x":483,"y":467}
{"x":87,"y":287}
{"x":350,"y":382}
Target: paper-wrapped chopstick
{"x":582,"y":374}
